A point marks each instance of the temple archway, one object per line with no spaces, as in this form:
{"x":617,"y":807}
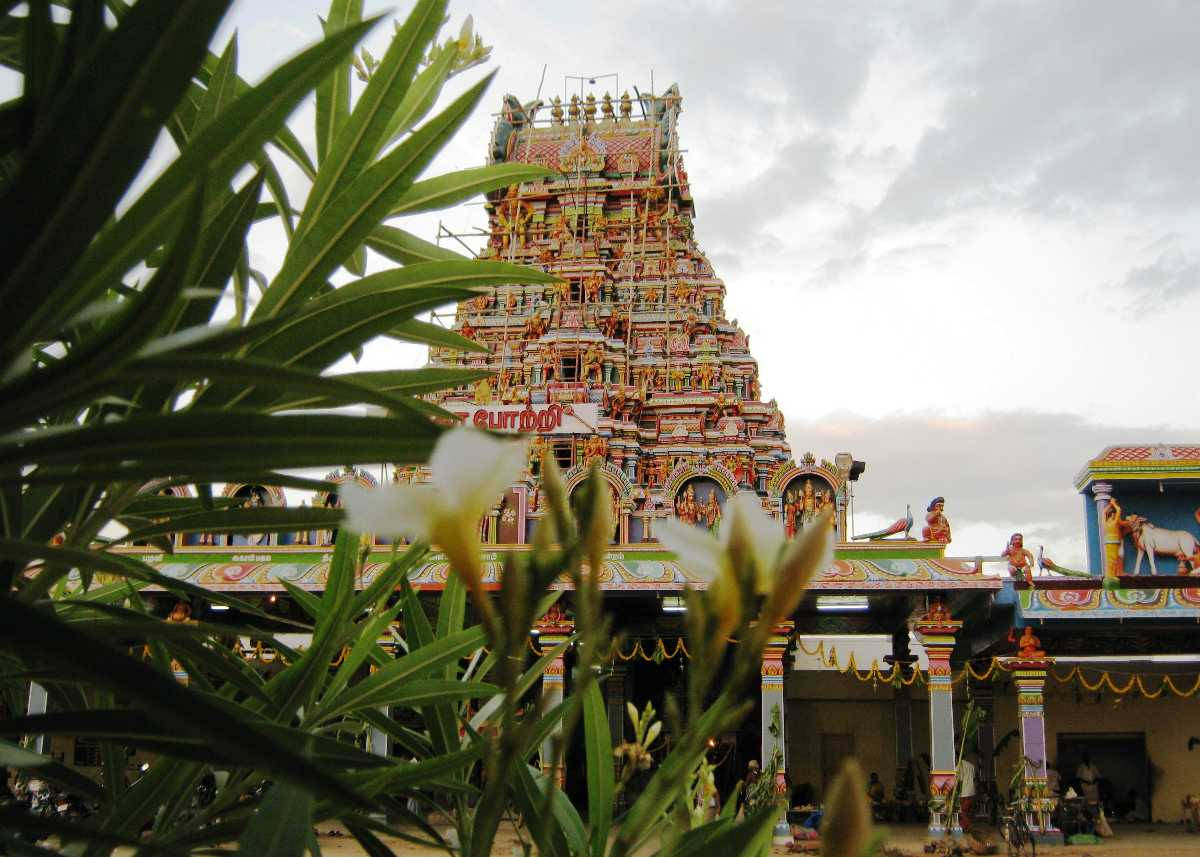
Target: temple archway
{"x":803,"y":497}
{"x":700,"y":501}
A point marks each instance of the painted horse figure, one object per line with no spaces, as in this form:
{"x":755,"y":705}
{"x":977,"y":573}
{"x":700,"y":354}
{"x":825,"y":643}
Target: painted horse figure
{"x":1150,"y":540}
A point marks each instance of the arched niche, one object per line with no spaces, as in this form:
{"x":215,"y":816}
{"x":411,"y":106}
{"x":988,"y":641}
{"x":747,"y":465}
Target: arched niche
{"x":178,"y":539}
{"x":333,"y":500}
{"x":254,"y":495}
{"x":803,"y":497}
{"x":700,"y":501}
{"x":614,"y":508}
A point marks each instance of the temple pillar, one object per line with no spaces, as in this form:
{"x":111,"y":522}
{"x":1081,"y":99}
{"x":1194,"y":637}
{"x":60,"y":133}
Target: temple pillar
{"x":985,"y":736}
{"x":774,"y":708}
{"x":379,"y":742}
{"x":553,"y":629}
{"x":936,"y":632}
{"x":37,"y":704}
{"x":1110,"y":562}
{"x":1029,"y":675}
{"x":902,"y":661}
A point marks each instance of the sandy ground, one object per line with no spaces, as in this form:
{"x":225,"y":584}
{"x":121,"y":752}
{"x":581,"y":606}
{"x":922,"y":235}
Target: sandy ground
{"x":1130,"y":841}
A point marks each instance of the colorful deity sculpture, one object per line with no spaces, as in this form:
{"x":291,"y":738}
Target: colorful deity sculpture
{"x":1020,"y":560}
{"x":1029,"y":646}
{"x":937,"y":526}
{"x":1110,"y":527}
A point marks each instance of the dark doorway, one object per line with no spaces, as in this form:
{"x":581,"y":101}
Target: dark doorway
{"x":836,"y":747}
{"x":1120,"y":757}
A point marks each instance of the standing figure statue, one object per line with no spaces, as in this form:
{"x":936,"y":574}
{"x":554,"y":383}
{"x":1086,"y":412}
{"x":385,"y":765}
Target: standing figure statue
{"x":808,"y":503}
{"x":937,"y":527}
{"x":1020,"y":560}
{"x":1114,"y":550}
{"x":712,"y":512}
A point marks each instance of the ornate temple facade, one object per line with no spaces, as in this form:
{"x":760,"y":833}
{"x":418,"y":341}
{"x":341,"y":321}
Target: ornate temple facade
{"x":630,"y":360}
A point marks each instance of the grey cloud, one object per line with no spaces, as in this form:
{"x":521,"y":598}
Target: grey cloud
{"x":799,"y":172}
{"x":1169,"y":278}
{"x":1058,"y":107}
{"x":1007,"y":468}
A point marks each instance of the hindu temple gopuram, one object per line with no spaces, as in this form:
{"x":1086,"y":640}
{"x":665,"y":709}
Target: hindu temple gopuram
{"x":630,"y":360}
{"x":1088,"y":678}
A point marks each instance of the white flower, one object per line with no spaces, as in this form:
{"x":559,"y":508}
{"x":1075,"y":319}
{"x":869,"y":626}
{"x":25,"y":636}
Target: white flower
{"x":746,"y":527}
{"x":470,"y":470}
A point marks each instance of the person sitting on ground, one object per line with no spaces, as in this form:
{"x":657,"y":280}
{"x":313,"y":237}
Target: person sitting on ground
{"x":875,"y":789}
{"x":1137,"y":810}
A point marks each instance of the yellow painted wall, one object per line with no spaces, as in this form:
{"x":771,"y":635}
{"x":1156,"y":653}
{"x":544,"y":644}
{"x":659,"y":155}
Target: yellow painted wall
{"x":821,"y":701}
{"x":1167,"y":724}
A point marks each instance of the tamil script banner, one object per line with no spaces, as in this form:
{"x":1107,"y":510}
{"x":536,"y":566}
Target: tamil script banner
{"x":553,"y":418}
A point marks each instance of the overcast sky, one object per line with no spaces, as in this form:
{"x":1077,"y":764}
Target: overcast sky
{"x":964,"y":237}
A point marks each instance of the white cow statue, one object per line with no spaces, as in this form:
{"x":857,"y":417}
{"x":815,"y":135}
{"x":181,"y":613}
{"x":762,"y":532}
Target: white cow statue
{"x":1150,"y":540}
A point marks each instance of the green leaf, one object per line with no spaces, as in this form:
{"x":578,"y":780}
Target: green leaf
{"x":388,"y":682}
{"x":222,"y":85}
{"x":330,"y":326}
{"x":84,"y":657}
{"x":357,"y":139}
{"x":333,"y":93}
{"x":65,"y":558}
{"x":77,"y":377}
{"x":404,"y":248}
{"x":13,"y":819}
{"x":45,"y":767}
{"x":349,"y":218}
{"x":220,"y":150}
{"x":299,"y":686}
{"x":452,"y":188}
{"x":420,"y":98}
{"x":725,"y":836}
{"x":174,"y":442}
{"x":424,"y":333}
{"x":84,"y":156}
{"x":260,"y":519}
{"x":598,"y":744}
{"x":221,"y":245}
{"x":282,"y":824}
{"x":332,"y":389}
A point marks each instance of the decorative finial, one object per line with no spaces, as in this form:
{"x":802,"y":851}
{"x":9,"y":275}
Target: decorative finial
{"x":590,"y":107}
{"x":573,"y":109}
{"x":556,"y":111}
{"x":606,"y":107}
{"x":626,"y":105}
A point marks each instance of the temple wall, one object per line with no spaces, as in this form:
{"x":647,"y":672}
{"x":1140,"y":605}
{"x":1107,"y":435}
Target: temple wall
{"x":821,"y":704}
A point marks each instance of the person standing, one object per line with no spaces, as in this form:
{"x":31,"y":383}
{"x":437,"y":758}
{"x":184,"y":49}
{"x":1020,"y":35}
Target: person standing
{"x":1089,"y":778}
{"x":966,"y":792}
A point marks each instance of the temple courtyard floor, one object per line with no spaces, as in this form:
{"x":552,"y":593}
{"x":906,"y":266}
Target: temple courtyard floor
{"x":1129,"y":841}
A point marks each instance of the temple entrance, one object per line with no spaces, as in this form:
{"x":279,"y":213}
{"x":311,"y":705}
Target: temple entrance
{"x":836,"y":747}
{"x":1120,"y":757}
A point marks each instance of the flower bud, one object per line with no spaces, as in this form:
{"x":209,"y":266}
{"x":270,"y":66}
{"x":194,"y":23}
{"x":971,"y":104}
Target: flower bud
{"x":847,"y":823}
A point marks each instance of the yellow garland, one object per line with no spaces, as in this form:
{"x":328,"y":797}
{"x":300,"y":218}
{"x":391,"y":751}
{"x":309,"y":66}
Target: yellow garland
{"x":874,"y":673}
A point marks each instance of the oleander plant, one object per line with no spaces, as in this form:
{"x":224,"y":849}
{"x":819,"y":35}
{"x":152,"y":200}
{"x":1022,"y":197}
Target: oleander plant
{"x":140,"y":351}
